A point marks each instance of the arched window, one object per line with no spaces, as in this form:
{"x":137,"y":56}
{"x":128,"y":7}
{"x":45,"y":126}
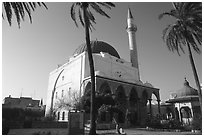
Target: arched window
{"x":63,"y":115}
{"x":176,"y":113}
{"x":56,"y":95}
{"x":186,"y":112}
{"x":69,"y":92}
{"x":58,"y":116}
{"x":62,"y":93}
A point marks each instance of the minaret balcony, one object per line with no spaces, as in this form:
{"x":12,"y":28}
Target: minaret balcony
{"x":131,"y":29}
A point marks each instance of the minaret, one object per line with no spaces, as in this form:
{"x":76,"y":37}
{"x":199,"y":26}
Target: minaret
{"x":131,"y":30}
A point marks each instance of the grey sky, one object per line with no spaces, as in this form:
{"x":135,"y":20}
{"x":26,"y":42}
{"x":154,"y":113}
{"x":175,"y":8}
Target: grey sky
{"x":30,"y":53}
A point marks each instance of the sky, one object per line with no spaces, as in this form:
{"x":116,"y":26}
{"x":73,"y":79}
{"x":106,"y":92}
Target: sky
{"x":30,"y":53}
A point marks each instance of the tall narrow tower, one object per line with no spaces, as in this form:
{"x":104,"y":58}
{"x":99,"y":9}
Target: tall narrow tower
{"x":131,"y":30}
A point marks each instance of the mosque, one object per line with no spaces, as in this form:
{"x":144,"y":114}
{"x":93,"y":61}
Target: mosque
{"x":112,"y":75}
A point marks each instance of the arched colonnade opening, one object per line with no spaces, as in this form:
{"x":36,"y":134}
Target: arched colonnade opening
{"x":133,"y":112}
{"x":131,"y":106}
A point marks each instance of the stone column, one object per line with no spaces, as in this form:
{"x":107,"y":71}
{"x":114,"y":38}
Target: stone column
{"x":159,"y":107}
{"x":138,"y":110}
{"x":126,"y":112}
{"x":150,"y":107}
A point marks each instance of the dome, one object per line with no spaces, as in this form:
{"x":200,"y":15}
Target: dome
{"x":187,"y":90}
{"x":97,"y":47}
{"x":139,"y":82}
{"x":148,"y":85}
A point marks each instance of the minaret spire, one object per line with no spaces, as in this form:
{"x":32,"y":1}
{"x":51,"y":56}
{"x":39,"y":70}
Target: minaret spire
{"x":131,"y":30}
{"x":130,"y":14}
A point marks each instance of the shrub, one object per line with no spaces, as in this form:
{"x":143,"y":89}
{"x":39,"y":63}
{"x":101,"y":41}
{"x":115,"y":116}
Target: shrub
{"x":42,"y":133}
{"x":19,"y":114}
{"x":175,"y":124}
{"x":12,"y":114}
{"x":196,"y":123}
{"x":5,"y":127}
{"x":171,"y":124}
{"x":50,"y":118}
{"x":27,"y":123}
{"x":154,"y":123}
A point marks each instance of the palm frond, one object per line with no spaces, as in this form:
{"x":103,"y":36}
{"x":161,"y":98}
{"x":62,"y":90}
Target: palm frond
{"x":27,"y":8}
{"x":175,"y":5}
{"x":104,"y":4}
{"x":80,"y":17}
{"x":31,"y":5}
{"x":7,"y":7}
{"x":98,"y":9}
{"x":165,"y":32}
{"x":192,"y":42}
{"x":187,"y":29}
{"x":91,"y":27}
{"x":73,"y":15}
{"x":173,"y":37}
{"x":19,"y":9}
{"x":89,"y":14}
{"x":108,"y":5}
{"x":198,"y":38}
{"x":16,"y":10}
{"x":91,"y":19}
{"x":172,"y":13}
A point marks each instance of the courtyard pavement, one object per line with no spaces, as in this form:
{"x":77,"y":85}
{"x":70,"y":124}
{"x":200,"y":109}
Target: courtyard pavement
{"x":129,"y":131}
{"x":143,"y":131}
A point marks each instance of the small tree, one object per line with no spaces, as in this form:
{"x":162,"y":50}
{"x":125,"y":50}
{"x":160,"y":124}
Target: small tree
{"x":68,"y":102}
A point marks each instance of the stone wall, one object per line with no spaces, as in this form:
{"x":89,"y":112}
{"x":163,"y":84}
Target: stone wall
{"x":37,"y":124}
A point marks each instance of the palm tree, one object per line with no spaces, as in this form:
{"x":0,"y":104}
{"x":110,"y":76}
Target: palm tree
{"x":19,"y":9}
{"x":86,"y":20}
{"x":186,"y":31}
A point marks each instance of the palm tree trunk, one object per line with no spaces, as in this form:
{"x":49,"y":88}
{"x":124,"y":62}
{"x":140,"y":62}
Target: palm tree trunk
{"x":91,"y":65}
{"x":195,"y":76}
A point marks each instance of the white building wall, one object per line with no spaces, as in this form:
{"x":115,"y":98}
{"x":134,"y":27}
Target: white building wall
{"x":68,"y":82}
{"x":112,"y":67}
{"x":52,"y":78}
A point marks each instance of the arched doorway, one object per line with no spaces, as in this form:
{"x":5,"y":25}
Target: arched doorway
{"x":186,"y":115}
{"x":153,"y":110}
{"x":86,"y":98}
{"x":169,"y":113}
{"x":105,"y":89}
{"x":133,"y":107}
{"x":143,"y":114}
{"x":103,"y":100}
{"x":176,"y":113}
{"x":121,"y":104}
